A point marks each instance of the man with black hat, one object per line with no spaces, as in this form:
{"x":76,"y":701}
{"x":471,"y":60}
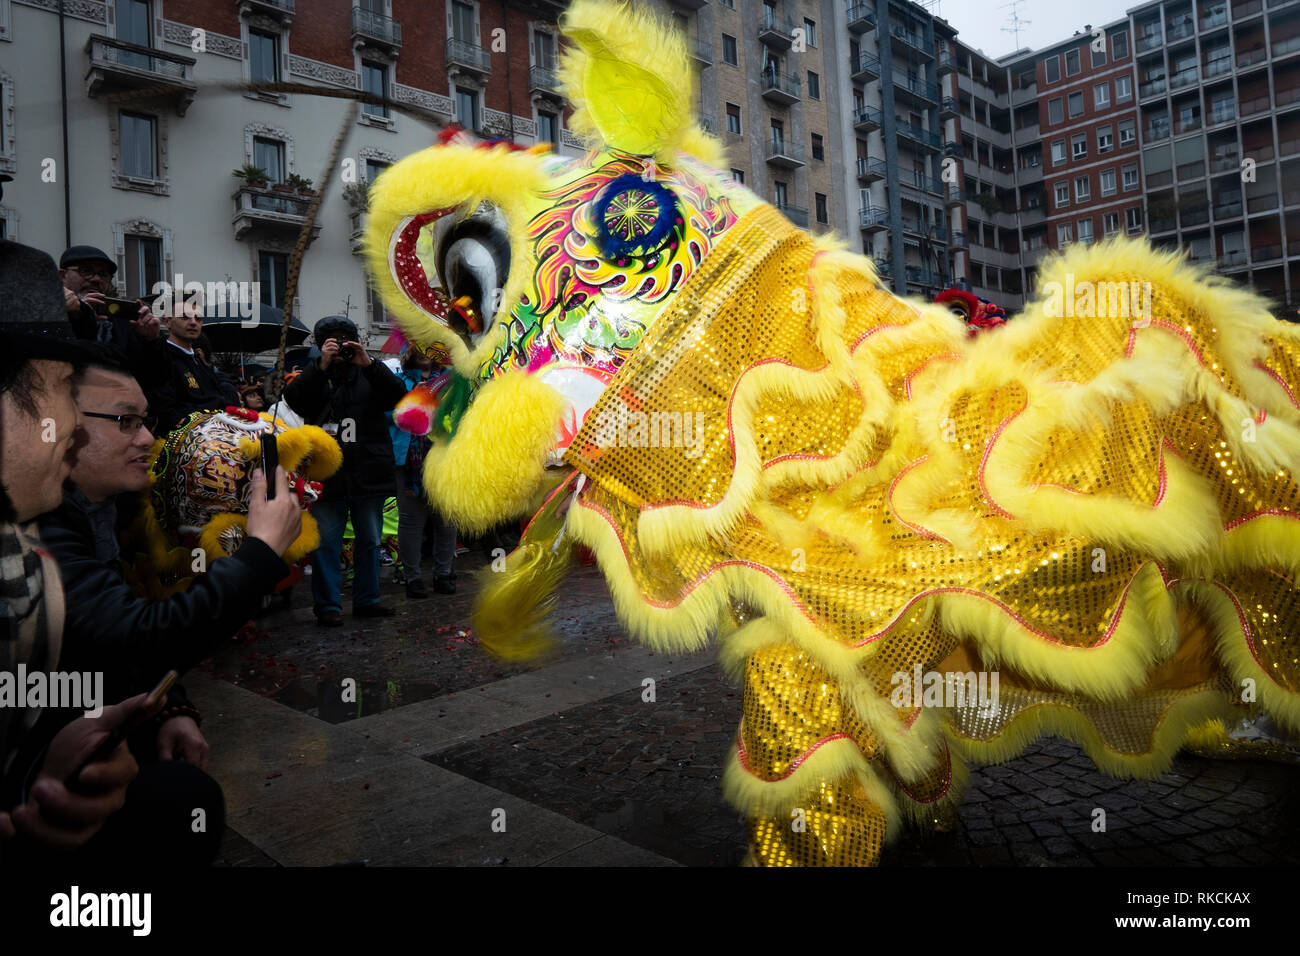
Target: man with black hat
{"x":40,"y":435}
{"x":347,"y":394}
{"x":87,"y":274}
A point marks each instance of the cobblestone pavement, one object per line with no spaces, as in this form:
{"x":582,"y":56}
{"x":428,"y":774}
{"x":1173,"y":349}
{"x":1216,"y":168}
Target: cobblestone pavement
{"x":649,"y":773}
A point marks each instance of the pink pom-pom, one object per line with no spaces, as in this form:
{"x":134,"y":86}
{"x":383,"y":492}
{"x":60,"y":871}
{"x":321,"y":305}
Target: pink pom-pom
{"x":414,"y":421}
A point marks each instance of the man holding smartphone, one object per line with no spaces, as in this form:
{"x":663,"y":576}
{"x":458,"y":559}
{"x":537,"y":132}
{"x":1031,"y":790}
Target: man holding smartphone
{"x":87,"y":275}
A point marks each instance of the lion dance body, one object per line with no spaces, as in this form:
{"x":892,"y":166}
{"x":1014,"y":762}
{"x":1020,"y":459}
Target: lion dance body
{"x":764,"y":446}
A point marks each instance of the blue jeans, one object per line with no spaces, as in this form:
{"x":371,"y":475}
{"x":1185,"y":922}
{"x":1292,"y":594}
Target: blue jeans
{"x":327,"y":561}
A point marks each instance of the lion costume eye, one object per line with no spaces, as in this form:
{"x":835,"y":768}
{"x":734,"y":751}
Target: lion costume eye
{"x":472,"y":256}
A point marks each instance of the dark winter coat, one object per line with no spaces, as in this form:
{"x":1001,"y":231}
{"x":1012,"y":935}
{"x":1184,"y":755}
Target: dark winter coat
{"x":358,"y":397}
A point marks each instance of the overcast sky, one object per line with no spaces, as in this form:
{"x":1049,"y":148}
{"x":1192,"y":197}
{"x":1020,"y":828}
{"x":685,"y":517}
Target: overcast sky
{"x":979,"y":23}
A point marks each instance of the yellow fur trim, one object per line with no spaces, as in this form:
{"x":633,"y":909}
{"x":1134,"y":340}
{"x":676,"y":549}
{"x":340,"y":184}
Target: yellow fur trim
{"x":502,"y":442}
{"x":209,"y":537}
{"x":308,"y":540}
{"x":628,"y":78}
{"x":1234,"y":651}
{"x":1034,"y":722}
{"x":462,"y":176}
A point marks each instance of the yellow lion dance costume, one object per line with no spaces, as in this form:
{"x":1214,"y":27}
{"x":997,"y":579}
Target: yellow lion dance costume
{"x":917,"y":549}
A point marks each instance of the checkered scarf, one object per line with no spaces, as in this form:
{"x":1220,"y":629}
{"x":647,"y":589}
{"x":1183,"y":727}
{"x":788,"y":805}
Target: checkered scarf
{"x":31,"y":621}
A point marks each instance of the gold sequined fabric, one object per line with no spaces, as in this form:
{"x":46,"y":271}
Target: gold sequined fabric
{"x":877,"y":495}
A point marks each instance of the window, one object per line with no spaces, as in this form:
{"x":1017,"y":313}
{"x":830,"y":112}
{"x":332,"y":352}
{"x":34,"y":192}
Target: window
{"x":818,"y":148}
{"x":1082,"y":189}
{"x":729,"y":3}
{"x":733,"y":118}
{"x":1064,"y":234}
{"x":1062,"y":195}
{"x":143,"y":266}
{"x":729,"y":50}
{"x":263,"y":57}
{"x":378,"y":314}
{"x":778,"y":135}
{"x":133,"y":23}
{"x":1098,"y":56}
{"x":1101,"y":96}
{"x":462,"y":21}
{"x":1052,"y":69}
{"x":823,"y":214}
{"x":268,"y":155}
{"x":1085,"y":230}
{"x":548,"y":128}
{"x":1076,"y":105}
{"x":1128,"y":132}
{"x":1105,"y":139}
{"x":139,"y":146}
{"x":1058,"y":152}
{"x":1110,"y":223}
{"x":466,"y":108}
{"x":1123,"y":89}
{"x":1133,"y":219}
{"x":374,"y":79}
{"x":1079,"y":146}
{"x":1072,"y":66}
{"x":738,"y":175}
{"x":1055,"y":111}
{"x":1108,"y":182}
{"x":1118,"y":45}
{"x":272,"y":274}
{"x":373,"y":168}
{"x":1130,"y":174}
{"x":814,"y":86}
{"x":544,"y":49}
{"x":810,"y":32}
{"x":778,"y":194}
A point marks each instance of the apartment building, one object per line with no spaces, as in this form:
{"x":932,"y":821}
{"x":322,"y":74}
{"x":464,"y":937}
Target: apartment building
{"x":149,"y":179}
{"x":1218,"y":90}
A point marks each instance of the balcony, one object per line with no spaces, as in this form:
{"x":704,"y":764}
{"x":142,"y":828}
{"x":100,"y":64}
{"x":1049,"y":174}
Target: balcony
{"x":923,"y":137}
{"x":870,"y":171}
{"x":709,"y":123}
{"x":702,"y":52}
{"x":1217,"y":66}
{"x":922,"y":228}
{"x":915,"y":88}
{"x":908,"y":38}
{"x":1197,"y":215}
{"x":1254,"y":105}
{"x":1179,"y":29}
{"x":120,"y":67}
{"x":862,"y":18}
{"x":922,"y":182}
{"x":1153,"y":134}
{"x":1216,"y":19}
{"x":1183,"y":78}
{"x":944,"y":63}
{"x":953,"y":148}
{"x":1286,"y":47}
{"x":785,"y":154}
{"x":884,"y":268}
{"x":1241,"y":11}
{"x":544,"y":81}
{"x":783,"y":88}
{"x":1230,"y":162}
{"x":684,"y":4}
{"x":775,"y":32}
{"x":1262,"y":254}
{"x":468,"y":58}
{"x":1227,"y":209}
{"x":918,"y":275}
{"x":959,"y":241}
{"x":873,"y":218}
{"x":867,"y":119}
{"x":796,"y":215}
{"x":281,"y":10}
{"x":1233,"y":260}
{"x":865,"y":69}
{"x":956,"y":196}
{"x":1150,"y":41}
{"x":268,"y":214}
{"x":1151,"y":88}
{"x":948,"y":108}
{"x":1221,"y":113}
{"x":1255,"y":56}
{"x":374,"y":30}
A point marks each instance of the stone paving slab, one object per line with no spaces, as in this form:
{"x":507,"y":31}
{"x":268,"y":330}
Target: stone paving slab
{"x":340,"y":798}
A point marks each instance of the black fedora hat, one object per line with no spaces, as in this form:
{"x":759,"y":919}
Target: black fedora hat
{"x":33,"y":318}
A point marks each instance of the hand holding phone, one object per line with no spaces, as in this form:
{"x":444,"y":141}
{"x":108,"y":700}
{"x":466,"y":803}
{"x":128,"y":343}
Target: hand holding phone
{"x":270,"y":460}
{"x":127,"y":727}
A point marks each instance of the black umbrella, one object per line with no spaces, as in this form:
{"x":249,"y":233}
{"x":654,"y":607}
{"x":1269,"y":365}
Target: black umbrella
{"x":229,"y":333}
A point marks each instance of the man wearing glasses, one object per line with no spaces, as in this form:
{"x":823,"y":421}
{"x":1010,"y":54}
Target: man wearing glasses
{"x":134,"y":641}
{"x":87,"y":274}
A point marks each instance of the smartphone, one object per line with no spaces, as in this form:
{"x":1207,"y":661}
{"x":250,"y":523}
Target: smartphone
{"x":270,"y":459}
{"x":114,"y":308}
{"x":126,"y":728}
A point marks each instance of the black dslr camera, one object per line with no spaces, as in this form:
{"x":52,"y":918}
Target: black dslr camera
{"x":347,"y":352}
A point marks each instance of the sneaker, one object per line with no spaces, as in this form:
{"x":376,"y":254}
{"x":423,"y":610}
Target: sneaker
{"x":373,"y":610}
{"x":444,"y":585}
{"x":329,"y":618}
{"x":416,"y":590}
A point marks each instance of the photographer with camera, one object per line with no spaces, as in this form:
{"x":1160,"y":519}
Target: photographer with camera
{"x":346,"y":393}
{"x":97,"y":316}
